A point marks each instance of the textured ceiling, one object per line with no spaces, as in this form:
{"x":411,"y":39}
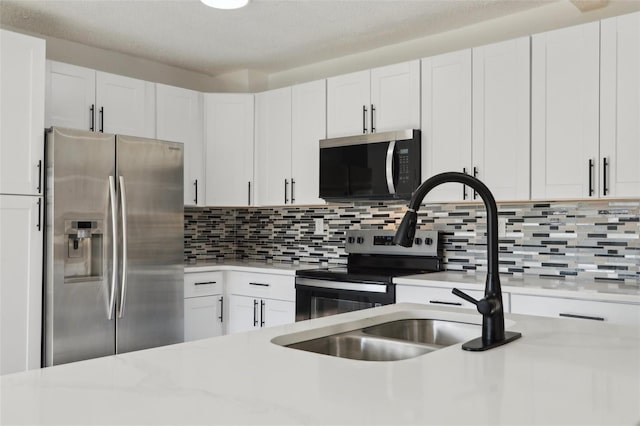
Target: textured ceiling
{"x":267,"y":36}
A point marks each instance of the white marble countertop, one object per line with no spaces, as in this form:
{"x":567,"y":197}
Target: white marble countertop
{"x":578,"y":289}
{"x":559,"y":372}
{"x":245,"y":266}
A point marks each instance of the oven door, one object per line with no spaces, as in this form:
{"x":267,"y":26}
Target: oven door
{"x":317,"y":298}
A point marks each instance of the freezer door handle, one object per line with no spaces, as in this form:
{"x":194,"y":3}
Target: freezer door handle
{"x":114,"y":239}
{"x":123,"y":206}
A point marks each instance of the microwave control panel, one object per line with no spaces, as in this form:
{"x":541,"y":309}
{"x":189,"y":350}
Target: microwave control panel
{"x":407,"y":166}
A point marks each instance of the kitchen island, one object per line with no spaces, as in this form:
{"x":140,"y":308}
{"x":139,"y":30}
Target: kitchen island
{"x":561,"y":371}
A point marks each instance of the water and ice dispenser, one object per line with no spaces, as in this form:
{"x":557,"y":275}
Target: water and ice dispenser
{"x":83,"y":249}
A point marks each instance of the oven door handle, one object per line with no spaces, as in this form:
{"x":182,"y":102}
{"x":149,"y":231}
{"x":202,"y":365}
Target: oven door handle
{"x":341,"y":285}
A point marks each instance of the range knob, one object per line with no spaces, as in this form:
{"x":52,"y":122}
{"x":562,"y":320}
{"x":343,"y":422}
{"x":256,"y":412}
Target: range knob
{"x":428,"y":241}
{"x":417,"y":241}
{"x":351,"y":240}
{"x":360,"y":240}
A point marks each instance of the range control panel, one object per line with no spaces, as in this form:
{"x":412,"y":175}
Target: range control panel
{"x":374,"y":241}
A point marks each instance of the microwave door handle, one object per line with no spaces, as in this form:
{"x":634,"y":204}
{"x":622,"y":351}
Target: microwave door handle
{"x":389,"y":168}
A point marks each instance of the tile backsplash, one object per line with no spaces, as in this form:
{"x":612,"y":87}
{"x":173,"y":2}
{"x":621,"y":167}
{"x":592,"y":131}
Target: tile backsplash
{"x":591,"y":239}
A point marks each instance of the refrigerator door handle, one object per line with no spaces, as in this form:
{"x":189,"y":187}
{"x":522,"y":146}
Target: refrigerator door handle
{"x":123,"y":206}
{"x":114,"y":236}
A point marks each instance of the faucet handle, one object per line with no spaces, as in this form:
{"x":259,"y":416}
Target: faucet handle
{"x":483,"y":305}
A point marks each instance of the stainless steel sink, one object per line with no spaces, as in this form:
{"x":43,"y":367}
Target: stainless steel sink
{"x":391,"y":341}
{"x":433,"y":332}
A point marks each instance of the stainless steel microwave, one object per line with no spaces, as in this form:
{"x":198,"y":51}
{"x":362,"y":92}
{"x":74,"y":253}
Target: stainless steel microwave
{"x":373,"y":166}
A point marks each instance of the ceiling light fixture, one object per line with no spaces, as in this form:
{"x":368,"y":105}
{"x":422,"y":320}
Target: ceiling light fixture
{"x":226,"y":4}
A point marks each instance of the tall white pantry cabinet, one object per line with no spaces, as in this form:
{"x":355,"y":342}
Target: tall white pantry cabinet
{"x":22,"y":89}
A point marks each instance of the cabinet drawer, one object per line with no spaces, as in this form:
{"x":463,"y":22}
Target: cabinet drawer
{"x":617,"y":313}
{"x":202,"y":284}
{"x":438,"y":296}
{"x":269,"y":286}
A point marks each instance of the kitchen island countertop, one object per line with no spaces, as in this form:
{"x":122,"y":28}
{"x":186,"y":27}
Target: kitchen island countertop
{"x":559,"y":372}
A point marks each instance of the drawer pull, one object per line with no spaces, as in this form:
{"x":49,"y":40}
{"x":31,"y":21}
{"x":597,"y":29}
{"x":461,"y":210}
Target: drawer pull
{"x":587,"y":317}
{"x":205,"y":283}
{"x":441,"y":302}
{"x":260,"y":284}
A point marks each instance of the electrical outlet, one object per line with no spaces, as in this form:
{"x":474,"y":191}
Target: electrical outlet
{"x":502,"y":227}
{"x":319,"y":228}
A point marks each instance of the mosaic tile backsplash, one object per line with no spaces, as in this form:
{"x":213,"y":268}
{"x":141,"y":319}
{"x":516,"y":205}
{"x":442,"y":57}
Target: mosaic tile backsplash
{"x":596,"y":239}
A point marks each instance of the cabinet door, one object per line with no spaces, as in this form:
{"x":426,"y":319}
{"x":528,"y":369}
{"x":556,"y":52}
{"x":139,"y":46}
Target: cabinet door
{"x":71,"y":96}
{"x":395,"y":97}
{"x":179,"y":119}
{"x":277,"y":312}
{"x":243,"y":313}
{"x":585,"y":310}
{"x":620,"y":106}
{"x":501,"y":107}
{"x":446,"y":121}
{"x":438,"y":296}
{"x":348,"y":104}
{"x":22,"y":75}
{"x":229,"y":149}
{"x":564,"y":112}
{"x":202,"y":317}
{"x":273,"y":147}
{"x":308,"y":126}
{"x":125,"y":105}
{"x":20,"y":282}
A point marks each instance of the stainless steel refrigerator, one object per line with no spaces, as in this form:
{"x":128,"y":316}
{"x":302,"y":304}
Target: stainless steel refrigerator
{"x":113,"y":245}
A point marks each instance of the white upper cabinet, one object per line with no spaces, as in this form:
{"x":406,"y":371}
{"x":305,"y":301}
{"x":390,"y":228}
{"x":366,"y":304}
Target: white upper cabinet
{"x":501,"y":108}
{"x":85,"y":99}
{"x":446,"y":121}
{"x":22,"y":89}
{"x":229,"y":124}
{"x":395,"y":97}
{"x":273,"y":147}
{"x":348,"y":103}
{"x":565,"y":112}
{"x":308,"y":127}
{"x":179,"y":119}
{"x":620,"y":107}
{"x":377,"y":100}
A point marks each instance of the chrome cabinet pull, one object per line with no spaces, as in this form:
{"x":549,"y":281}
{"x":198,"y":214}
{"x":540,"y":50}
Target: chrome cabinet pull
{"x":262,"y":313}
{"x":101,"y":119}
{"x":92,"y":111}
{"x":364,"y":119}
{"x":590,"y":177}
{"x":586,"y":317}
{"x":605,"y":166}
{"x":39,"y":187}
{"x":255,"y":312}
{"x":221,"y":316}
{"x":123,"y":206}
{"x":442,"y":302}
{"x":114,"y":254}
{"x":260,"y":284}
{"x":373,"y":111}
{"x":389,"y":167}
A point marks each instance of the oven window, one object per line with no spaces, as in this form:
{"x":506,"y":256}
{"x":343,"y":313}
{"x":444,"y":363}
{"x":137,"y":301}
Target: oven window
{"x":323,"y":306}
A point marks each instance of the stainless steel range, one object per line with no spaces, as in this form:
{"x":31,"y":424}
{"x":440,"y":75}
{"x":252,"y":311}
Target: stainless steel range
{"x":367,"y":280}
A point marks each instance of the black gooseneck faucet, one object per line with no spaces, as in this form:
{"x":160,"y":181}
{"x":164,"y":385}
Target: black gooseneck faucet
{"x":491,"y":308}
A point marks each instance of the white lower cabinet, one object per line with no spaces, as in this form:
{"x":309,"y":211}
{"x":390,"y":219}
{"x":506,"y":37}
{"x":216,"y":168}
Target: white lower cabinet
{"x":203,"y":305}
{"x":617,"y":313}
{"x":20,"y":282}
{"x":259,"y":300}
{"x":439,"y":296}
